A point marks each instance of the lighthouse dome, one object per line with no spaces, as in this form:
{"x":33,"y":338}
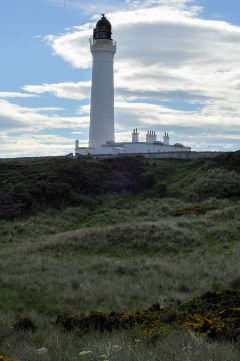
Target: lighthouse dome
{"x":103,"y":29}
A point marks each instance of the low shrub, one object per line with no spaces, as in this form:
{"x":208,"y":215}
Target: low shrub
{"x":101,"y":321}
{"x":216,"y":182}
{"x":24,"y":324}
{"x":215,"y":315}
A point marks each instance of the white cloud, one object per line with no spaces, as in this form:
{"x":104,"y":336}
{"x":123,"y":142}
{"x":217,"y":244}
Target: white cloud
{"x":16,"y":95}
{"x":69,"y":90}
{"x":152,"y":35}
{"x":15,"y":117}
{"x":34,"y":145}
{"x":88,"y":7}
{"x":129,"y":28}
{"x":153,"y":114}
{"x":72,"y":47}
{"x":96,"y":6}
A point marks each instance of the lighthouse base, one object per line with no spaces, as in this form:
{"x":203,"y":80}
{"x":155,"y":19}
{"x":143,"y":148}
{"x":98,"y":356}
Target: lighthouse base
{"x":131,"y":148}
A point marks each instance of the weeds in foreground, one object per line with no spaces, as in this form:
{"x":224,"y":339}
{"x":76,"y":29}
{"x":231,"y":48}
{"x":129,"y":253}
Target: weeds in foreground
{"x":50,"y":345}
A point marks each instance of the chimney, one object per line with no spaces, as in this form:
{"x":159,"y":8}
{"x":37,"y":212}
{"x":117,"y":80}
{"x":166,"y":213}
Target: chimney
{"x":166,"y":139}
{"x":135,"y":136}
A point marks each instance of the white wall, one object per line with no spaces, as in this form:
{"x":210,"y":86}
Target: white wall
{"x":168,"y":155}
{"x":143,"y":147}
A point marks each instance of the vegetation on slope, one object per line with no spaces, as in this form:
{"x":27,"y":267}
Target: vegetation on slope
{"x":31,"y":185}
{"x":129,"y":233}
{"x":142,"y":252}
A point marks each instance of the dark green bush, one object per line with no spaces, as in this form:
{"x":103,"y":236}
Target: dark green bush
{"x":146,"y":181}
{"x":24,"y":324}
{"x":160,"y":189}
{"x":34,"y":184}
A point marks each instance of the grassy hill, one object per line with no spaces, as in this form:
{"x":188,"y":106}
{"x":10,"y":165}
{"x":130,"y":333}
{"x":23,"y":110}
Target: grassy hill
{"x":124,"y":235}
{"x":31,"y":185}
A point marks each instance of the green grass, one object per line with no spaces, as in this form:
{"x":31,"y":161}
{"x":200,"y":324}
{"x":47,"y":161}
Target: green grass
{"x":122,"y":249}
{"x":119,"y":265}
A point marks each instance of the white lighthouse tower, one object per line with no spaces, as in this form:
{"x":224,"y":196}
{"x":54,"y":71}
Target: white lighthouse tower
{"x":103,"y":49}
{"x":101,"y":132}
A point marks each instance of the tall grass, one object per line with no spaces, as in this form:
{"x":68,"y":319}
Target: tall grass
{"x":126,"y":254}
{"x":123,"y":266}
{"x":49,"y":344}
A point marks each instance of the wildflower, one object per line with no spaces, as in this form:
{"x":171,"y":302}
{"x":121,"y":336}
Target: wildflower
{"x":85,"y":353}
{"x":116,"y":347}
{"x":103,"y":357}
{"x":138,"y":340}
{"x":42,"y":350}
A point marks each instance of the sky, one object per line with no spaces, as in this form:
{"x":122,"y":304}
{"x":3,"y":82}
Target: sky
{"x":176,"y":70}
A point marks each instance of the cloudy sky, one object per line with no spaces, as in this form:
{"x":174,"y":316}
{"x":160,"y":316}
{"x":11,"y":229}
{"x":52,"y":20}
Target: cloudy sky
{"x":177,"y":69}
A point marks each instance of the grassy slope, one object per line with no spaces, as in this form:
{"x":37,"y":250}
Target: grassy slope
{"x":123,"y":250}
{"x":134,"y":257}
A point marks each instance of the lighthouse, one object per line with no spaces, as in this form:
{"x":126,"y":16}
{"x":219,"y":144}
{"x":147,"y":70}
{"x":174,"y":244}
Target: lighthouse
{"x":103,"y":49}
{"x":101,"y":131}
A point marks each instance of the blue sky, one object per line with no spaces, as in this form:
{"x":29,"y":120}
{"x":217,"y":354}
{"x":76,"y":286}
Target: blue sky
{"x":176,"y":70}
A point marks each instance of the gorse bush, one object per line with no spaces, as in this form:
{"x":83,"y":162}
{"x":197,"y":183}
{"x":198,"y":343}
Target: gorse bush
{"x":6,"y":358}
{"x":215,"y":314}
